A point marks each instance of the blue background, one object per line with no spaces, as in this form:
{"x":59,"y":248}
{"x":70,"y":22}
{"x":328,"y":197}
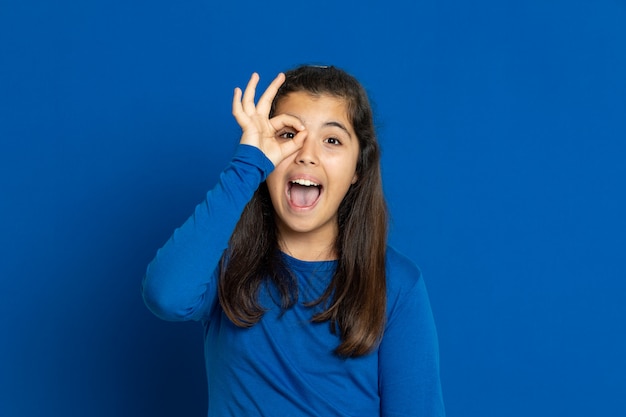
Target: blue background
{"x":503,"y":126}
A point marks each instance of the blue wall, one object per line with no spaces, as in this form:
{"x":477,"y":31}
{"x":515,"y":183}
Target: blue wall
{"x":503,"y":127}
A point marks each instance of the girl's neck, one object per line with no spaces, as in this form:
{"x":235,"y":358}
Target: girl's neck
{"x":306,"y":248}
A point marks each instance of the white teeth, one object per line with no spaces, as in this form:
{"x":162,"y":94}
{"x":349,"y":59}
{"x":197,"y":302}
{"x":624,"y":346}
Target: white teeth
{"x":304,"y":182}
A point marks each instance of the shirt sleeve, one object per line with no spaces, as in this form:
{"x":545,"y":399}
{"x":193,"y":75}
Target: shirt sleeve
{"x":181,"y":281}
{"x":409,"y":379}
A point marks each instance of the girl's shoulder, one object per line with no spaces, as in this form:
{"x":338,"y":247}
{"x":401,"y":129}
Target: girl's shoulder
{"x":403,"y":275}
{"x":401,"y":269}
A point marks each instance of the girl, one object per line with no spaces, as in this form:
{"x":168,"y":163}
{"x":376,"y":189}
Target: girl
{"x":305,"y":309}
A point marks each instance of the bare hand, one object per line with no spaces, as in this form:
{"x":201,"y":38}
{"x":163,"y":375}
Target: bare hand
{"x":261,"y":131}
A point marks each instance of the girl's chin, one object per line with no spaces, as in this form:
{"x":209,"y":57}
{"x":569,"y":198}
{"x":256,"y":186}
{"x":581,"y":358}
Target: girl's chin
{"x":299,"y":225}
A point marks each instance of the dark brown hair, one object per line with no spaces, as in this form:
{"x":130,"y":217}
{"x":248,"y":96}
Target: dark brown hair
{"x":354,"y":302}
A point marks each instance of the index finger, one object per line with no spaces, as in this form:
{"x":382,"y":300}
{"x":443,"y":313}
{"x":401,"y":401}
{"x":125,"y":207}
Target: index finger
{"x":265,"y":102}
{"x":247,"y":100}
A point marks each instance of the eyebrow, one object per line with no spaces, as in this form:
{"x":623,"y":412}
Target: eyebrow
{"x":339,"y":125}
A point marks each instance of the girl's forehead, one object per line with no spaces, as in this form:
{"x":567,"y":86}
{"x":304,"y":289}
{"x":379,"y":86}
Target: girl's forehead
{"x":304,"y":102}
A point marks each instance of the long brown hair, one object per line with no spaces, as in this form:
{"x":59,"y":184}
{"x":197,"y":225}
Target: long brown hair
{"x":354,"y":303}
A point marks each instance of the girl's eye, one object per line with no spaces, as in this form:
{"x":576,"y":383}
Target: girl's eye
{"x":333,"y":141}
{"x":287,"y":135}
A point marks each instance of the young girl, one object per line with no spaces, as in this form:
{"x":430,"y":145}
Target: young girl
{"x":306,"y":311}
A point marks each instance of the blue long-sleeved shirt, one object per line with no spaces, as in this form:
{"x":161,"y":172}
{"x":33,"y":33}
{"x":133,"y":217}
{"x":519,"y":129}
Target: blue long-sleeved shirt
{"x":285,"y":365}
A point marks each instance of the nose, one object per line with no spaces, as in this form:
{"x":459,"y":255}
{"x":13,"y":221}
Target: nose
{"x":307,"y":155}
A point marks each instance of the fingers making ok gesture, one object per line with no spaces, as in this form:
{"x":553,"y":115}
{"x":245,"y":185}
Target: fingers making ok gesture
{"x":261,"y":131}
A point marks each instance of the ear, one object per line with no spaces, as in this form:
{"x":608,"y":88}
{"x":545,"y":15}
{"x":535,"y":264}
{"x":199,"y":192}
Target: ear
{"x":355,"y":178}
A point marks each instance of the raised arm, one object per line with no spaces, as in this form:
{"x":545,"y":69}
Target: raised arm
{"x":180,"y":282}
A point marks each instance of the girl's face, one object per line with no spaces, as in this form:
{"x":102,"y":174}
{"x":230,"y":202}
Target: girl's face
{"x":307,"y":187}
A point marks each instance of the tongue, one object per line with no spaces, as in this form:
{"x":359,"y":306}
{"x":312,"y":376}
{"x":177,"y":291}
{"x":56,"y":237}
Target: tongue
{"x":303,"y":196}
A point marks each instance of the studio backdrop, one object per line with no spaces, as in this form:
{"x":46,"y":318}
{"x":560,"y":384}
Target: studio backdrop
{"x":503,"y":129}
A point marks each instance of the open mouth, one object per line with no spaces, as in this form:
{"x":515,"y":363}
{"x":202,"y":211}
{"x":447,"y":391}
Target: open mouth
{"x":303,"y":193}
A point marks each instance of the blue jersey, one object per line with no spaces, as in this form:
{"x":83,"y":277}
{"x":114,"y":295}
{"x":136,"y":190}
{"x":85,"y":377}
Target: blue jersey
{"x":285,"y":365}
